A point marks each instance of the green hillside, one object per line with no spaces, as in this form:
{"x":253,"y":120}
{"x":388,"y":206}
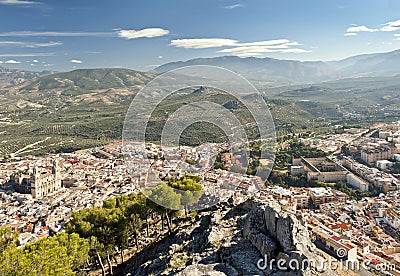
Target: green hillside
{"x":86,"y":108}
{"x":90,"y":79}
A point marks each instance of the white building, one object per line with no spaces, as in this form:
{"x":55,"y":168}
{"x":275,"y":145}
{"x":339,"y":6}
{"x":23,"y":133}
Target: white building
{"x":384,"y":165}
{"x":357,"y":182}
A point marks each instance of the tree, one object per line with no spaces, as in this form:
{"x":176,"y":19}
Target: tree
{"x":57,"y":255}
{"x":12,"y":261}
{"x":164,"y":201}
{"x":107,"y":225}
{"x":190,"y":190}
{"x":345,"y":150}
{"x":7,"y":238}
{"x":396,"y":168}
{"x":135,"y":223}
{"x":77,"y":247}
{"x":50,"y":256}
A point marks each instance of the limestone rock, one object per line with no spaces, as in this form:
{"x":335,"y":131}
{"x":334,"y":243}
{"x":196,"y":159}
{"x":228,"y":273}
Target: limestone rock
{"x":210,"y":269}
{"x":271,"y":229}
{"x":226,"y":240}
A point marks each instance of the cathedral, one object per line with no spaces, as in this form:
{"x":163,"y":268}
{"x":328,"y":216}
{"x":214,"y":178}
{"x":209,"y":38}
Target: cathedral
{"x":38,"y":181}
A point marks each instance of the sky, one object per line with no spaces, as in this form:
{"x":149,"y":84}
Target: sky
{"x":65,"y":35}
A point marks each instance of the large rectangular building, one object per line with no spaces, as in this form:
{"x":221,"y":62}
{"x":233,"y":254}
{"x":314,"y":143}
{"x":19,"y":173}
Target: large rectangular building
{"x":370,"y":155}
{"x":38,"y":181}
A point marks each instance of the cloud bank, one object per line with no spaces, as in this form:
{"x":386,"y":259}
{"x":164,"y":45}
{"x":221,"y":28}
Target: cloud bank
{"x":148,"y":33}
{"x":234,"y":6}
{"x":18,"y":2}
{"x":391,"y":26}
{"x":201,"y":43}
{"x":29,"y":44}
{"x":387,"y":27}
{"x":12,"y":61}
{"x":241,"y":49}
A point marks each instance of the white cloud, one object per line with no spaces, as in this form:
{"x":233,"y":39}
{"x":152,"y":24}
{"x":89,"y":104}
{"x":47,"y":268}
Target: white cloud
{"x":361,"y":28}
{"x":248,"y":49}
{"x":270,"y":43}
{"x":234,"y":6}
{"x":242,"y":49}
{"x":30,"y":44}
{"x":391,"y":26}
{"x":48,"y":65}
{"x":201,"y":43}
{"x":160,"y":57}
{"x":35,"y":61}
{"x":51,"y":34}
{"x":387,"y":27}
{"x":76,"y":61}
{"x":295,"y":51}
{"x":46,"y":44}
{"x":258,"y":50}
{"x":1,"y":62}
{"x":149,"y":32}
{"x":18,"y":2}
{"x":127,"y":34}
{"x":28,"y":55}
{"x":352,"y":31}
{"x":12,"y":61}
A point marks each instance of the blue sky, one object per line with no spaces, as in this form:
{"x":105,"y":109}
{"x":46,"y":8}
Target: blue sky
{"x":64,"y":35}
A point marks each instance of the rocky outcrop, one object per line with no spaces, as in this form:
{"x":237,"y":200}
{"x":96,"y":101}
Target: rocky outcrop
{"x":211,"y":270}
{"x":231,"y":240}
{"x":281,"y":236}
{"x":254,"y":230}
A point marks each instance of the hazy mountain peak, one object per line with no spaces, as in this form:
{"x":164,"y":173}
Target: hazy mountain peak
{"x":300,"y":72}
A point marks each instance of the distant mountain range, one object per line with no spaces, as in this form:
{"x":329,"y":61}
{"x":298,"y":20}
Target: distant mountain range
{"x":9,"y":76}
{"x":268,"y":71}
{"x":289,"y":72}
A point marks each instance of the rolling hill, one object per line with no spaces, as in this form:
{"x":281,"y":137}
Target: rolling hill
{"x":77,"y":109}
{"x":91,"y":79}
{"x":86,"y":107}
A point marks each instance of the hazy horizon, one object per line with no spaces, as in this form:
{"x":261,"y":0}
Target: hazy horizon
{"x":62,"y":36}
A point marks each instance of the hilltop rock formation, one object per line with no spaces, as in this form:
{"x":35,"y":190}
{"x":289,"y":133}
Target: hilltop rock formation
{"x":227,"y":240}
{"x":282,"y":236}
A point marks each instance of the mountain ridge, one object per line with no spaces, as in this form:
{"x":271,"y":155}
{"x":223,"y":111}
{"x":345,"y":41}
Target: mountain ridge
{"x":11,"y":76}
{"x":269,"y":71}
{"x":89,"y":79}
{"x":289,"y":72}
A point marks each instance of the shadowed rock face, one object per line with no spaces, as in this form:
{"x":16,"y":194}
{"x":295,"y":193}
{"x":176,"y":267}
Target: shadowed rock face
{"x":280,"y":235}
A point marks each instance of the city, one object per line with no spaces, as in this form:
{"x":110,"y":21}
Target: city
{"x":40,"y":193}
{"x":194,"y":138}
